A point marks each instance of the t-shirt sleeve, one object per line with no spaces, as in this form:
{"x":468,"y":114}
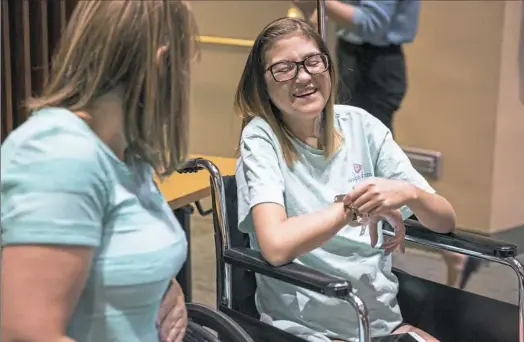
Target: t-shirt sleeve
{"x":53,"y":192}
{"x":259,"y":177}
{"x":392,"y":162}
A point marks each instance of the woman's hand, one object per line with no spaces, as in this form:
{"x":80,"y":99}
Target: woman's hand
{"x":394,"y":218}
{"x":377,"y":196}
{"x":172,"y":315}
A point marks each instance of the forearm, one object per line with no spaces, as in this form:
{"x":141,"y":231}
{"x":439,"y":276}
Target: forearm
{"x":313,"y":20}
{"x":301,"y":234}
{"x":433,"y":211}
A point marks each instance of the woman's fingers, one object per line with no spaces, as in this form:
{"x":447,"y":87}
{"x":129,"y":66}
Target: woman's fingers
{"x":369,"y":208}
{"x":400,"y":234}
{"x":174,"y":326}
{"x":176,"y":334}
{"x":373,"y":230}
{"x":165,"y":329}
{"x":391,"y":244}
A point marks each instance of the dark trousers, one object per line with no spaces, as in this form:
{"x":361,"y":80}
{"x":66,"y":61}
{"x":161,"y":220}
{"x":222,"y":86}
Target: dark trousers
{"x":372,"y":78}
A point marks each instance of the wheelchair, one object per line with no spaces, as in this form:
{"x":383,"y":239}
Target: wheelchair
{"x":450,"y":315}
{"x":209,"y":325}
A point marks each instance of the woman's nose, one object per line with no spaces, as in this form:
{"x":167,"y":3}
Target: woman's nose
{"x":303,"y":75}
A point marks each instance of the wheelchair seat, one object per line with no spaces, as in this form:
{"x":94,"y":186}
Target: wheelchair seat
{"x":449,"y":314}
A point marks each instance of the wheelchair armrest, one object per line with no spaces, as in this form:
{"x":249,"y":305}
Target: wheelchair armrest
{"x":291,"y":273}
{"x":460,"y":241}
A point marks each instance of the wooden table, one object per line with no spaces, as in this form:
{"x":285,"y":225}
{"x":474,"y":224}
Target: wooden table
{"x":183,"y":189}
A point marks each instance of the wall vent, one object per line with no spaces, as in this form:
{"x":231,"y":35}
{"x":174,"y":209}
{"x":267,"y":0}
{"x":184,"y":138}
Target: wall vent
{"x":428,"y":163}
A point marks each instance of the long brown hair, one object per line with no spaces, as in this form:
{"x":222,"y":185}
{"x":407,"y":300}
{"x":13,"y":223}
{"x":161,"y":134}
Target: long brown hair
{"x":252,"y":98}
{"x":110,"y":43}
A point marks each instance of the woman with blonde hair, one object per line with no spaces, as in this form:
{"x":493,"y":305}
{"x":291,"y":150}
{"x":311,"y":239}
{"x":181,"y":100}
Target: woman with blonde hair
{"x":307,"y":169}
{"x":90,"y":246}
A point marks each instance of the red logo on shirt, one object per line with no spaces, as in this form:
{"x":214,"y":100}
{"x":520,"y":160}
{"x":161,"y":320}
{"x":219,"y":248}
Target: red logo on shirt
{"x":357,"y":167}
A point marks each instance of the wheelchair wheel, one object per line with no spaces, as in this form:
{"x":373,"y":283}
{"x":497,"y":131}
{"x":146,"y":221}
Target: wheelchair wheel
{"x":210,"y":325}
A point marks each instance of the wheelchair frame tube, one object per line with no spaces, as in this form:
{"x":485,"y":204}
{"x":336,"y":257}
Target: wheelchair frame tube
{"x":511,"y":262}
{"x":363,"y":317}
{"x":220,"y":204}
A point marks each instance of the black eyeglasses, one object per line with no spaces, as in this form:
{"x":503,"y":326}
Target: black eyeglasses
{"x":287,"y":70}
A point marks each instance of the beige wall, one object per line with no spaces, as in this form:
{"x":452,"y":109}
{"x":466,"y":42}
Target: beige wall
{"x":463,"y":101}
{"x":214,"y":127}
{"x":465,"y":97}
{"x":508,"y":183}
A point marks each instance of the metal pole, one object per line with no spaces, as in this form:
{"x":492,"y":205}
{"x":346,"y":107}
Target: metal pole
{"x":321,"y":18}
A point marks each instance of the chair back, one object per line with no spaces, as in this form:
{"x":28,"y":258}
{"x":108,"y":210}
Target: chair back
{"x":243,"y":281}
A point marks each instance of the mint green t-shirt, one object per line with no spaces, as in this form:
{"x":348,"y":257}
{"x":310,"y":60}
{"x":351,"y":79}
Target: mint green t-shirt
{"x":61,"y":185}
{"x":262,"y":175}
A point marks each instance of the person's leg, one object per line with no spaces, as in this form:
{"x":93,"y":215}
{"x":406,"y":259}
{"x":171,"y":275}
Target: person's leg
{"x":385,"y":84}
{"x":455,"y":264}
{"x":460,"y":268}
{"x":406,"y":328}
{"x":350,"y":74}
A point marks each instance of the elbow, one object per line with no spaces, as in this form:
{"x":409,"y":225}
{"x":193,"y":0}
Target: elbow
{"x":370,"y":25}
{"x":446,"y":223}
{"x":450,"y":223}
{"x":276,"y":254}
{"x":445,"y":227}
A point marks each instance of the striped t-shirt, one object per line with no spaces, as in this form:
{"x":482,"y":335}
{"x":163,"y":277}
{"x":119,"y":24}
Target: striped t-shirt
{"x":61,"y":185}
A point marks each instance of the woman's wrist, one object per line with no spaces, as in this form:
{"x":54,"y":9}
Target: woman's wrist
{"x":412,"y":194}
{"x":342,"y":215}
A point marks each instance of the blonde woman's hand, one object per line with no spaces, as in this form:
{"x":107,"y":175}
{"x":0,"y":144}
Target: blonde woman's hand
{"x":172,"y":315}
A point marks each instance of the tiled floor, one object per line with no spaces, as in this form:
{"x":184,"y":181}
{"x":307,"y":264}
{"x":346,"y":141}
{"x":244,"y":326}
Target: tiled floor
{"x":493,"y":280}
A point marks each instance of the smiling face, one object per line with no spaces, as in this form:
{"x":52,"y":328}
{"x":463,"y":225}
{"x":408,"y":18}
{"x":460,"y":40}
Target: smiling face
{"x":297,"y":77}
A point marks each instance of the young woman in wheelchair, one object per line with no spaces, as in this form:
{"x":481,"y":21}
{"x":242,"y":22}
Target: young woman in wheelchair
{"x":314,"y":180}
{"x":90,"y":246}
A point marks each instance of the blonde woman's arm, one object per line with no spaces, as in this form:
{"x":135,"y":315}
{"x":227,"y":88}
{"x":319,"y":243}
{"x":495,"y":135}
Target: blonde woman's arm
{"x":53,"y":203}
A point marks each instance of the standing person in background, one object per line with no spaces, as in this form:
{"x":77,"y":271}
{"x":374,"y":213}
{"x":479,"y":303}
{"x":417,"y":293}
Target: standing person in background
{"x":371,"y":35}
{"x":372,"y":70}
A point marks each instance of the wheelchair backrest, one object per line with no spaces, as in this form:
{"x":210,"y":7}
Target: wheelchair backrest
{"x":243,"y":281}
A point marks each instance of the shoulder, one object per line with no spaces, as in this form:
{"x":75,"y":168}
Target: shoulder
{"x":352,"y":120}
{"x":50,"y":133}
{"x":355,"y":116}
{"x":52,"y":143}
{"x":258,"y":128}
{"x":258,"y":132}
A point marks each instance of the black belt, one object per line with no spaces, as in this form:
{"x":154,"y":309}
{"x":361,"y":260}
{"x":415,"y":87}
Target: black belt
{"x":391,"y":48}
